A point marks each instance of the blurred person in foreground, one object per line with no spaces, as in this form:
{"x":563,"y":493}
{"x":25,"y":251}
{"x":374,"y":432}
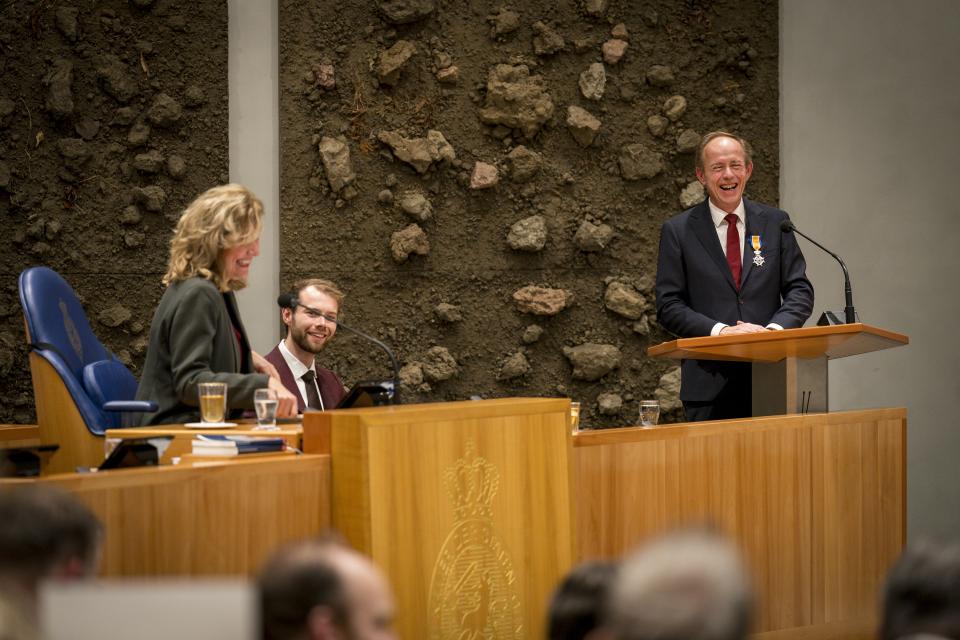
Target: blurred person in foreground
{"x":320,"y":590}
{"x":921,"y":598}
{"x":577,"y":604}
{"x":45,"y":534}
{"x":196,"y":334}
{"x":689,"y":585}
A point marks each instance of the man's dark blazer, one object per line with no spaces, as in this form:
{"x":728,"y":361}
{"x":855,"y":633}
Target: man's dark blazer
{"x":331,"y":389}
{"x":695,"y":289}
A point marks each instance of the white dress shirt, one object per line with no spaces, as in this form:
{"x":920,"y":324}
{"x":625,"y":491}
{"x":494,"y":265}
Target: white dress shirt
{"x":297,"y":368}
{"x":720,"y":222}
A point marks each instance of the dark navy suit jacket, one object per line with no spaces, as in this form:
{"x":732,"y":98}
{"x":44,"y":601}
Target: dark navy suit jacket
{"x":695,"y":289}
{"x":331,"y":389}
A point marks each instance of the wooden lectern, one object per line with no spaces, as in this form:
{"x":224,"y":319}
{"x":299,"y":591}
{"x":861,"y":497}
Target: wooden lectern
{"x":465,"y":506}
{"x":789,"y":366}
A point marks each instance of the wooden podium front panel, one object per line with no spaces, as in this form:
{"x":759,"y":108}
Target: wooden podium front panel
{"x":220,"y":518}
{"x":815,"y":502}
{"x":465,"y":506}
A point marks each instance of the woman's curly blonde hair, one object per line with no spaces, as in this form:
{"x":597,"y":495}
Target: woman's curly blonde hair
{"x":219,"y":219}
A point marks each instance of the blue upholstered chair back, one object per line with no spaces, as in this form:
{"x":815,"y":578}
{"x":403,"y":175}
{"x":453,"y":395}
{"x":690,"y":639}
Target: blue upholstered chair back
{"x":60,"y":333}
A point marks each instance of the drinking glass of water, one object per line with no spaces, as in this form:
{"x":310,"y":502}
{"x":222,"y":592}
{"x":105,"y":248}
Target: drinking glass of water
{"x":649,"y":413}
{"x":265,"y":402}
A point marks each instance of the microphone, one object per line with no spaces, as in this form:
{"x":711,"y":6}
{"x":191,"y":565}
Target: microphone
{"x":290,"y":301}
{"x":850,"y":315}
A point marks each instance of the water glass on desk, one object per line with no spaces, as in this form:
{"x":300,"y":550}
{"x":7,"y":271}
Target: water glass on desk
{"x":649,"y":413}
{"x":213,"y":401}
{"x":265,"y":402}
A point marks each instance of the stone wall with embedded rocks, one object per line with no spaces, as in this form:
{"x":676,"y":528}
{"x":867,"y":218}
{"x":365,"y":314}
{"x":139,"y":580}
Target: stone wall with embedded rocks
{"x":487,"y":180}
{"x":113,"y":116}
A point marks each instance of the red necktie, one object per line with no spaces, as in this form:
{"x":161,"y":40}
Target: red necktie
{"x":734,"y":257}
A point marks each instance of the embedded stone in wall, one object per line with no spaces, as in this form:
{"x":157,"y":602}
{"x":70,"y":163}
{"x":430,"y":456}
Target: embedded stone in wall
{"x":636,"y":162}
{"x":514,"y":366}
{"x":114,"y":316}
{"x":416,"y":205}
{"x":411,"y":240}
{"x":66,"y":19}
{"x":688,"y":141}
{"x":176,"y":166}
{"x":411,"y":374}
{"x":503,"y":22}
{"x":641,"y":327}
{"x":59,"y":92}
{"x":448,"y":313}
{"x":335,"y":154}
{"x":87,"y":128}
{"x":592,"y":81}
{"x":448,"y":75}
{"x":405,"y":11}
{"x":692,"y":195}
{"x":609,"y":404}
{"x":674,"y":107}
{"x":75,"y":152}
{"x":484,"y":176}
{"x":613,"y":50}
{"x":523,"y":163}
{"x":546,"y":41}
{"x":668,"y":391}
{"x":438,"y":365}
{"x":591,"y":238}
{"x":657,"y":125}
{"x":624,"y":300}
{"x":583,"y":126}
{"x":529,"y":234}
{"x":541,"y":301}
{"x":152,"y":198}
{"x":619,"y":31}
{"x":139,"y":134}
{"x":419,"y":153}
{"x":115,"y":79}
{"x":150,"y":162}
{"x":165,"y":111}
{"x":596,"y":8}
{"x":660,"y":75}
{"x":592,"y":361}
{"x":393,"y":60}
{"x":531,"y":334}
{"x":516,"y":99}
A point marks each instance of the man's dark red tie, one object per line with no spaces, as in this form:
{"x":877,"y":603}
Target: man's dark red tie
{"x":734,"y":255}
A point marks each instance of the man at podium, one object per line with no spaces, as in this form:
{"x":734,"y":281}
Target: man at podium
{"x":726,"y":268}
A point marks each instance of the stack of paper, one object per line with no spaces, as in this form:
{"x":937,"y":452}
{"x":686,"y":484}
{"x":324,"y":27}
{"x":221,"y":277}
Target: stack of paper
{"x":205,"y":445}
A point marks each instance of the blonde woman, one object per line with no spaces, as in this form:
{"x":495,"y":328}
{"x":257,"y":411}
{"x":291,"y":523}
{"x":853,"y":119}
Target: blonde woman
{"x":196,"y":334}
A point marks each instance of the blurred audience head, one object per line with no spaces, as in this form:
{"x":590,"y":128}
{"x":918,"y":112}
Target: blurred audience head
{"x":921,"y":598}
{"x":320,"y":589}
{"x":689,"y":585}
{"x":577,"y":604}
{"x":45,"y":534}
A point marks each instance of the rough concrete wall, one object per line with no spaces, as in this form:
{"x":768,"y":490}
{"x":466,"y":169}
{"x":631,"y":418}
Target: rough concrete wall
{"x":553,"y":171}
{"x":113,"y":116}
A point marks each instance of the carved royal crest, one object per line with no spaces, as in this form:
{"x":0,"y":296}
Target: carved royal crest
{"x":72,"y":334}
{"x":473,"y":591}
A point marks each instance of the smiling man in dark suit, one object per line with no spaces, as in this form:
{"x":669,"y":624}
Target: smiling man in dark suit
{"x":310,"y":326}
{"x":725,"y":268}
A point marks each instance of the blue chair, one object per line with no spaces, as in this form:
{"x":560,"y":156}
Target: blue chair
{"x":80,"y":388}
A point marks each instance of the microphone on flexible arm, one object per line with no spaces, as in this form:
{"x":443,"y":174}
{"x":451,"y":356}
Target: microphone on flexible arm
{"x":828,"y":317}
{"x":290,"y":301}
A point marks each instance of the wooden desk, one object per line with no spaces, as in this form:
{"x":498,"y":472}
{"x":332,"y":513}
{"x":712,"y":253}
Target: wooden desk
{"x":19,"y":435}
{"x":218,"y":518}
{"x":183,"y":436}
{"x":817,"y":503}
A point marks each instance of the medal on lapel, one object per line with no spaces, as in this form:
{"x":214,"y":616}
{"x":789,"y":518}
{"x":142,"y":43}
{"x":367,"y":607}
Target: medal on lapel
{"x":757,"y":246}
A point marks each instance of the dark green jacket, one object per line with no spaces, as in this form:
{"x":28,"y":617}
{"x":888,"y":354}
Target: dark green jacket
{"x":192,"y":341}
